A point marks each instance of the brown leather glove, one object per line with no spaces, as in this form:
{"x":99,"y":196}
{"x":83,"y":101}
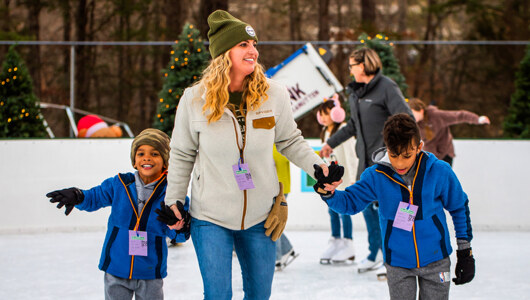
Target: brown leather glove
{"x":277,"y":217}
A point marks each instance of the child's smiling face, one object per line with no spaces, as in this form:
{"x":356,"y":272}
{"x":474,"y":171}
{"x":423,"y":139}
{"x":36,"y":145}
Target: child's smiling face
{"x":149,"y":163}
{"x":403,"y":161}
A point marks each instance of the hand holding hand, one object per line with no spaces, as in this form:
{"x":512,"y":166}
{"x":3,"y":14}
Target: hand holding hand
{"x":332,"y":179}
{"x":277,"y":218}
{"x":465,"y":266}
{"x":167,"y":215}
{"x":68,"y":198}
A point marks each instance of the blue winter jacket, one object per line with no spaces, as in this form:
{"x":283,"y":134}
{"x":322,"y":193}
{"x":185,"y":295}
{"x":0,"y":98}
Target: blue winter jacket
{"x":435,"y":188}
{"x":120,"y":193}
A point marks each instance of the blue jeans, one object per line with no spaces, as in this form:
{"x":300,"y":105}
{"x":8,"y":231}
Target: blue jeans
{"x":371,"y":217}
{"x":335,"y":225}
{"x":255,"y":251}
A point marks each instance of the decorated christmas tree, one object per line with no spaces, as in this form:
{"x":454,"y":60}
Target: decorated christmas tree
{"x":19,"y":107}
{"x":386,"y":53}
{"x":189,"y":57}
{"x":517,"y":123}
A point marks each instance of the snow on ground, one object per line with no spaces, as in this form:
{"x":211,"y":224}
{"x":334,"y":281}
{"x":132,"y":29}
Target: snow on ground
{"x":64,"y":266}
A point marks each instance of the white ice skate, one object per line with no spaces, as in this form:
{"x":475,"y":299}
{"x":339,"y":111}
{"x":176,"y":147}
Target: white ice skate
{"x":368,"y":265}
{"x":333,"y":246}
{"x":345,"y":253}
{"x":381,"y":273}
{"x":286,"y":260}
{"x":172,"y":243}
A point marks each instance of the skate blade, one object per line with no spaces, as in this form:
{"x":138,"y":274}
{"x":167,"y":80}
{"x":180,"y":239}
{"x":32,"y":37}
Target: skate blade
{"x":290,"y":259}
{"x":349,"y":261}
{"x":381,"y":277}
{"x":373,"y":268}
{"x":325,"y":261}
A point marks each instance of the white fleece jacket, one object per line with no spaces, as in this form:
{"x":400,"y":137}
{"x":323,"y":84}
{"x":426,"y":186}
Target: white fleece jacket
{"x":210,"y":150}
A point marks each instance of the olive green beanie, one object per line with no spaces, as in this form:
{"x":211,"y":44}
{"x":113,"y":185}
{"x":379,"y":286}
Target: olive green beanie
{"x":226,"y":31}
{"x":154,"y":138}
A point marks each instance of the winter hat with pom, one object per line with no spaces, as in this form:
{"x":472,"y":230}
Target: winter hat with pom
{"x":90,"y":124}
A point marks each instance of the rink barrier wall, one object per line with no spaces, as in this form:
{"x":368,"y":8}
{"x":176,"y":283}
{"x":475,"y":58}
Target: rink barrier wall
{"x":492,"y":172}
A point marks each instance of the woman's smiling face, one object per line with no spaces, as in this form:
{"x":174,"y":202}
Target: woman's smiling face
{"x":244,"y":57}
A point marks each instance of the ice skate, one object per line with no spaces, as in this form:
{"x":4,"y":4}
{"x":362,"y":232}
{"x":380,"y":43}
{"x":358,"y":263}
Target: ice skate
{"x":333,"y":245}
{"x":172,"y":242}
{"x":368,"y":265}
{"x":286,"y":260}
{"x":381,"y":273}
{"x":345,"y":253}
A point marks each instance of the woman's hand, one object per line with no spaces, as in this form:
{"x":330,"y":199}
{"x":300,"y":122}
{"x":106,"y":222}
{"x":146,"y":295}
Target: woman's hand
{"x":325,"y":151}
{"x":331,"y":187}
{"x":179,"y":224}
{"x":325,"y":169}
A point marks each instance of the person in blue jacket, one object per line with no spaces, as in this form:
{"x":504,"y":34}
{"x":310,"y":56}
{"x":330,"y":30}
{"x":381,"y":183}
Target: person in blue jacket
{"x":134,"y":254}
{"x":413,"y":188}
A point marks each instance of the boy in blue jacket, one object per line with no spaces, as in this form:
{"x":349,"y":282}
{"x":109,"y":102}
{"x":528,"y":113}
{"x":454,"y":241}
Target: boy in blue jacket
{"x":413,"y":188}
{"x":134,"y":254}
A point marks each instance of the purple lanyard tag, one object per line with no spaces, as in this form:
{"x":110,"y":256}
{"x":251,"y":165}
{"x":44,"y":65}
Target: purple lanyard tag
{"x":137,"y":243}
{"x":243,"y":177}
{"x":405,"y":215}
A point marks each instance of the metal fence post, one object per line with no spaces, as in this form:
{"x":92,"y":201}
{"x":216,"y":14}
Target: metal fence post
{"x":72,"y":83}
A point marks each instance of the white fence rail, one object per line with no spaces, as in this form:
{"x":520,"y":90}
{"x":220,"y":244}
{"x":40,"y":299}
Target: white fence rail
{"x":494,"y":173}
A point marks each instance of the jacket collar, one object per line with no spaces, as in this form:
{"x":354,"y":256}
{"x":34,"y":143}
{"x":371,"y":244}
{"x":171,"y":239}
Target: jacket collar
{"x":361,"y":88}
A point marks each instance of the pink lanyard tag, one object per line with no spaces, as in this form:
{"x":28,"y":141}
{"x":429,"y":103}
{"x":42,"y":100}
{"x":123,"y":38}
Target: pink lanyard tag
{"x":243,"y":177}
{"x":405,"y":215}
{"x":137,"y":243}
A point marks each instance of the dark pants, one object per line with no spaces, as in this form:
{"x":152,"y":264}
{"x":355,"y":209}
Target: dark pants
{"x":371,"y":217}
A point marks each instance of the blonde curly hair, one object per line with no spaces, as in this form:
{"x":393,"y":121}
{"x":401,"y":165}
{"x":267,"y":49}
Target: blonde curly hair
{"x":216,"y":79}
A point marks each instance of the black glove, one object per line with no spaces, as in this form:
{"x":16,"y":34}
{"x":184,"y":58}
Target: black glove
{"x":465,"y":266}
{"x":166,"y":215}
{"x":335,"y":174}
{"x":67,"y":197}
{"x":187,"y":220}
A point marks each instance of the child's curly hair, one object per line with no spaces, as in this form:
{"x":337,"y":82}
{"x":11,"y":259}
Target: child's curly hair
{"x":400,"y":132}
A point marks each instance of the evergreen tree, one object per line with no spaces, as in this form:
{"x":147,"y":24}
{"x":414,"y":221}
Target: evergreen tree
{"x":189,"y":58}
{"x":517,"y":123}
{"x":386,"y":54}
{"x":19,"y":107}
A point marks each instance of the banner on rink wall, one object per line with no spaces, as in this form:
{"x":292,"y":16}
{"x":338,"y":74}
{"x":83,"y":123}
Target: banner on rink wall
{"x":307,"y":78}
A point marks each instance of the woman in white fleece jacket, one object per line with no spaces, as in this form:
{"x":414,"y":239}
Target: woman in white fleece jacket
{"x":225,"y":128}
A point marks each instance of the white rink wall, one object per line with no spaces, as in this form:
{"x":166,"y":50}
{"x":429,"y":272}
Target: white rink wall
{"x":492,"y":172}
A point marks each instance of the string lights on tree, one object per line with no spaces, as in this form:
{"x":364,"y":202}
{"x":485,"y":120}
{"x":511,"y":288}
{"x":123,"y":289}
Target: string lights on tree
{"x":385,"y":50}
{"x":19,"y":106}
{"x":188,"y":59}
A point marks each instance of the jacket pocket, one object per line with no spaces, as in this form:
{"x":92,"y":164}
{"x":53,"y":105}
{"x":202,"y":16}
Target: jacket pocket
{"x":264,"y":123}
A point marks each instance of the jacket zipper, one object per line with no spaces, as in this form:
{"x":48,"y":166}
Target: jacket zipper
{"x":411,"y":200}
{"x":241,"y":156}
{"x":138,"y":218}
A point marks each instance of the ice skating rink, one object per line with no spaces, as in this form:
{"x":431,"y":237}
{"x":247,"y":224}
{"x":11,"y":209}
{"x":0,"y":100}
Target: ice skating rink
{"x":64,"y":266}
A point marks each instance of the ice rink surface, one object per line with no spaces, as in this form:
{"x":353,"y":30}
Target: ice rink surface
{"x":64,"y":266}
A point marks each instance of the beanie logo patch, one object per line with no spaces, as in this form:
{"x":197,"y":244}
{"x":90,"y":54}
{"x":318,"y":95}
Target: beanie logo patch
{"x":250,"y":31}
